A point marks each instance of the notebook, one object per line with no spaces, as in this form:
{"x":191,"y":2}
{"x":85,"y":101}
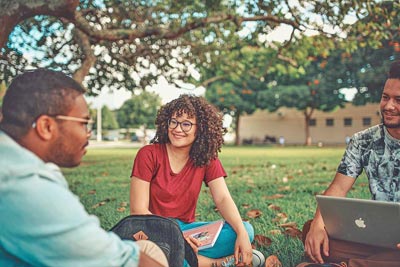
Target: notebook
{"x":207,"y":234}
{"x":359,"y":220}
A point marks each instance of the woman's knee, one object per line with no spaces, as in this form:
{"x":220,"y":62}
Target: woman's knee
{"x":250,"y":230}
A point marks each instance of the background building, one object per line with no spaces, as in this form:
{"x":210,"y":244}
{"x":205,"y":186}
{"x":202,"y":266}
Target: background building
{"x":330,"y":128}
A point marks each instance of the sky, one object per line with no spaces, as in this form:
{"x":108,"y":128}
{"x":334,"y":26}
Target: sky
{"x":166,"y":91}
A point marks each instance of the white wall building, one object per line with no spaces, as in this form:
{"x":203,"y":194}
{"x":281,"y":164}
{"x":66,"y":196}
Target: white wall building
{"x":325,"y":127}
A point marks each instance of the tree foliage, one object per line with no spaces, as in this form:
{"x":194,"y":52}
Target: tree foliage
{"x":108,"y":119}
{"x":313,"y":72}
{"x":140,"y":110}
{"x":119,"y":43}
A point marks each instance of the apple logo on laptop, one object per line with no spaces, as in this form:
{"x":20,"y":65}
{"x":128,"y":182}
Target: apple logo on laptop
{"x":360,"y":223}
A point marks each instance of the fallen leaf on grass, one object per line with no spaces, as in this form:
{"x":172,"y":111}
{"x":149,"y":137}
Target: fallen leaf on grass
{"x":280,"y":217}
{"x":245,"y":205}
{"x":276,"y":196}
{"x":261,"y":240}
{"x":101,"y":203}
{"x":284,"y":188}
{"x":121,"y":209}
{"x":293,"y":232}
{"x":273,"y":261}
{"x":123,"y":204}
{"x":289,"y":224}
{"x":254,"y":213}
{"x":92,"y":192}
{"x":250,"y":182}
{"x":275,"y":232}
{"x":274,"y":207}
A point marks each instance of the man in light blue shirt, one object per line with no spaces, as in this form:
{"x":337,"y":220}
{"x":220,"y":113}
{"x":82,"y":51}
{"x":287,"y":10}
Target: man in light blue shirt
{"x":42,"y":223}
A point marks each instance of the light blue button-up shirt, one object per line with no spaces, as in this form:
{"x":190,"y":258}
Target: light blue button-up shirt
{"x":42,"y":223}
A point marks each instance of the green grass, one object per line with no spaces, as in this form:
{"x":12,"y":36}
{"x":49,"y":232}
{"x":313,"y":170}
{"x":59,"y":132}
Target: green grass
{"x":256,"y":176}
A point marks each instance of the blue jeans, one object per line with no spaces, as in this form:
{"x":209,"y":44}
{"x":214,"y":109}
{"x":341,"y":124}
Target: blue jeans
{"x":225,"y":244}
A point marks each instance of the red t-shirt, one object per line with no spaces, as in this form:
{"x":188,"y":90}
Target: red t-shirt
{"x":173,"y":194}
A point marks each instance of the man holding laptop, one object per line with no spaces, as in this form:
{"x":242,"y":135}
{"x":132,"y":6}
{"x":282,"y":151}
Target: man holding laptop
{"x":375,"y":150}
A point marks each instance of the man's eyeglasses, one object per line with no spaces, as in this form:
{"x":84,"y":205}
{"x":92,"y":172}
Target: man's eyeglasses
{"x":87,"y":122}
{"x":186,"y":126}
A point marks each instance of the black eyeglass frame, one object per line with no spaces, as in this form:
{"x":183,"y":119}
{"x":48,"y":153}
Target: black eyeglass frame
{"x":180,"y":124}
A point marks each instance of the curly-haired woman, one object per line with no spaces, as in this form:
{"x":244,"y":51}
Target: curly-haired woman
{"x":167,"y":176}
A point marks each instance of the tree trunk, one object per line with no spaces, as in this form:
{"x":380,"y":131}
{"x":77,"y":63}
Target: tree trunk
{"x":237,"y":123}
{"x":307,"y":115}
{"x":15,"y":11}
{"x":144,"y":134}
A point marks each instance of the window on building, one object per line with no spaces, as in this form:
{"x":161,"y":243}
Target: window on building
{"x":366,"y":121}
{"x":329,"y":122}
{"x":348,"y":122}
{"x":313,"y":122}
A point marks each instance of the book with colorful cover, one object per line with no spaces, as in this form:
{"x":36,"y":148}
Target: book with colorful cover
{"x":207,"y":234}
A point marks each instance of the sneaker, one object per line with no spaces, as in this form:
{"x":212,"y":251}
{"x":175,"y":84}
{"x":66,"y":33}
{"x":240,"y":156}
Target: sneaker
{"x":328,"y":264}
{"x":258,"y":259}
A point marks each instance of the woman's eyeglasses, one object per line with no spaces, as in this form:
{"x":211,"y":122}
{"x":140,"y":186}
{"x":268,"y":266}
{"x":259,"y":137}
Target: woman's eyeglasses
{"x":186,"y":126}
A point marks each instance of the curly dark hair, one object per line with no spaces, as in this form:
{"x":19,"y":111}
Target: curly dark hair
{"x":210,"y":131}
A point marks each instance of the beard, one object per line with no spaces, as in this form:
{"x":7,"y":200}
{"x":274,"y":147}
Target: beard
{"x":65,"y":154}
{"x":391,"y":125}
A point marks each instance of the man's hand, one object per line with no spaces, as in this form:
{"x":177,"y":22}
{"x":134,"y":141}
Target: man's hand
{"x":316,"y":238}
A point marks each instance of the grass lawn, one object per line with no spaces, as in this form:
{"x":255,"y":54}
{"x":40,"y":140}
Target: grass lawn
{"x":273,"y":187}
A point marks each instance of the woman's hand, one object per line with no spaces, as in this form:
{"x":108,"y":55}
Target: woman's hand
{"x":194,"y":243}
{"x":243,"y":250}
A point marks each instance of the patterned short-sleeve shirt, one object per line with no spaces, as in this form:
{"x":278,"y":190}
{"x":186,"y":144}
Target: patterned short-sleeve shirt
{"x":376,"y":152}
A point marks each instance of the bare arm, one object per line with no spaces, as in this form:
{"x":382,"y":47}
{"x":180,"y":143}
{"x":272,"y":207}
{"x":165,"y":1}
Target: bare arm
{"x":146,"y":261}
{"x":139,"y":196}
{"x":228,"y":209}
{"x":317,"y":235}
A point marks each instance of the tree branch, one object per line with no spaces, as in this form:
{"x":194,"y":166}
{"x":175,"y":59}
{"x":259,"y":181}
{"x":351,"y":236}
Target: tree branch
{"x":89,"y":57}
{"x":164,"y":32}
{"x":211,"y":80}
{"x":13,"y":12}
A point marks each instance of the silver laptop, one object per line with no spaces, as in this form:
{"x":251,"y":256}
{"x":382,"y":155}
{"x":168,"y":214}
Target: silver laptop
{"x":359,"y":220}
